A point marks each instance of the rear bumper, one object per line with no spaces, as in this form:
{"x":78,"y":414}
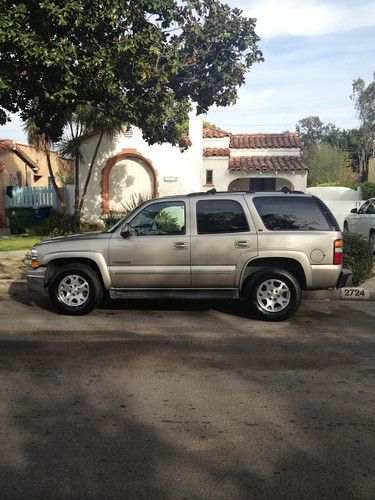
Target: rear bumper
{"x":36,"y":279}
{"x":345,"y":278}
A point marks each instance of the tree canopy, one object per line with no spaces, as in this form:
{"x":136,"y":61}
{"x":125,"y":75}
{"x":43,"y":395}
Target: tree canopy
{"x":141,"y":61}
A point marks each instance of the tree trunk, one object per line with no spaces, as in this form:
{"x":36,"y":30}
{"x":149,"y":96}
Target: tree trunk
{"x":53,"y":180}
{"x":90,"y":171}
{"x":77,"y":212}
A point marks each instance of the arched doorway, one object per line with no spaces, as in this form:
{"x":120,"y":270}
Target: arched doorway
{"x":127,"y":176}
{"x":260,"y":183}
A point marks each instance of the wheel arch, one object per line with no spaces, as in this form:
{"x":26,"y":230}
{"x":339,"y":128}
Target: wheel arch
{"x":57,"y":263}
{"x":291,"y":265}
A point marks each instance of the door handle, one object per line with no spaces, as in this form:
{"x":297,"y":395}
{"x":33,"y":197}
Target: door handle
{"x":241,"y":244}
{"x":180,"y":246}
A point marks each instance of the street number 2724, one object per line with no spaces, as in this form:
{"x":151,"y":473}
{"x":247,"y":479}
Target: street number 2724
{"x":354,"y":292}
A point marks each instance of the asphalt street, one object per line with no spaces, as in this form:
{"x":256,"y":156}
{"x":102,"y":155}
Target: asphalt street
{"x":186,"y":401}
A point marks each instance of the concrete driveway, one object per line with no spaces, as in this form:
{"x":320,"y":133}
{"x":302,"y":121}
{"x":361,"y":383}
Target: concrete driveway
{"x":163,"y":400}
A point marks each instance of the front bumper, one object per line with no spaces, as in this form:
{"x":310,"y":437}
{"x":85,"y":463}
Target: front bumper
{"x":345,"y":278}
{"x":36,"y":279}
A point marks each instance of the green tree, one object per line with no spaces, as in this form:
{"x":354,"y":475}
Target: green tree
{"x":327,"y":164}
{"x":364,"y":101}
{"x":311,"y":131}
{"x":141,"y":62}
{"x":87,"y":124}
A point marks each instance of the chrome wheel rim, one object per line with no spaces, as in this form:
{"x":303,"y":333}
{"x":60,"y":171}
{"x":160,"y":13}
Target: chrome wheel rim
{"x":73,"y":290}
{"x":273,"y":295}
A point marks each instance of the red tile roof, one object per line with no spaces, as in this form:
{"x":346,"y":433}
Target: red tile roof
{"x":266,"y":164}
{"x":212,"y":132}
{"x":216,"y":152}
{"x":264,"y":141}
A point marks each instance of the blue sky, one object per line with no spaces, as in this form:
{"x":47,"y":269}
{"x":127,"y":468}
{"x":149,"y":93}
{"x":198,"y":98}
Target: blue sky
{"x":313,"y":50}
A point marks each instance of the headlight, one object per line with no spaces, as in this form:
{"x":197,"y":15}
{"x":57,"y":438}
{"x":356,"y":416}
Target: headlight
{"x":34,"y":258}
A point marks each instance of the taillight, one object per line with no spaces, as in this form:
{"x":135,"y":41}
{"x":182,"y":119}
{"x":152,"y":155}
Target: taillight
{"x":338,"y":249}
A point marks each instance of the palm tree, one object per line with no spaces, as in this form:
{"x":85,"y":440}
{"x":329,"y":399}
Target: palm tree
{"x":41,"y":142}
{"x":88,"y":123}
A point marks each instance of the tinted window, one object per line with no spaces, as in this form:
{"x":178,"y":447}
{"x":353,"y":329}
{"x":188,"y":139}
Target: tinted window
{"x":371,"y":208}
{"x":160,"y":219}
{"x":220,"y":216}
{"x":291,"y":213}
{"x":363,"y":208}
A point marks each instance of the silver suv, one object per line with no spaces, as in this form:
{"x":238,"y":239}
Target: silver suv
{"x":261,"y":247}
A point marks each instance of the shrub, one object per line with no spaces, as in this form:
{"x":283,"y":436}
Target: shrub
{"x":368,"y":190}
{"x":111,"y":219}
{"x":54,"y":226}
{"x":358,"y":256}
{"x":129,"y":205}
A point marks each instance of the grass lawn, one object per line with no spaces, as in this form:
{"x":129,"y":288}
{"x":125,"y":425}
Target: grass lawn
{"x":18,"y":243}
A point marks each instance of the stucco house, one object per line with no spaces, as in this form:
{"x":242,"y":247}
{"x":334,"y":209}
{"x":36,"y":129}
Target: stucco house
{"x":215,"y":159}
{"x":252,"y":162}
{"x":25,"y":166}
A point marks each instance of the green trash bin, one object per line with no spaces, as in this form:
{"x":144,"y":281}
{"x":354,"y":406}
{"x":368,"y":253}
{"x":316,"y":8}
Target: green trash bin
{"x":20,"y":218}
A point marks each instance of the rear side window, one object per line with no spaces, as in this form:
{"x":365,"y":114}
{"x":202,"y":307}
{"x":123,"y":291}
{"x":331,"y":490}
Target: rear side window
{"x":220,"y":216}
{"x":291,"y":213}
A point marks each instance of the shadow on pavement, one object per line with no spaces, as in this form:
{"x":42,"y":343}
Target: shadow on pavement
{"x":76,"y":428}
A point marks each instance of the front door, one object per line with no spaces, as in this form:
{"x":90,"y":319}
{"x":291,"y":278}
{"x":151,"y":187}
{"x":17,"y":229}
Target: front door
{"x":157,"y":252}
{"x":223,"y":237}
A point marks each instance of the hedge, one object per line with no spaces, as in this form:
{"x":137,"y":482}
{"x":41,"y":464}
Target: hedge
{"x":358,"y":256}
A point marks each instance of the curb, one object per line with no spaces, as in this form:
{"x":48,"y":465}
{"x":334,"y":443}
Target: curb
{"x":338,"y":294}
{"x":10,"y":288}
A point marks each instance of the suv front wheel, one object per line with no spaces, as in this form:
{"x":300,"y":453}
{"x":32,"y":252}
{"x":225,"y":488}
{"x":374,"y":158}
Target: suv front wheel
{"x":273,"y":294}
{"x":75,"y":289}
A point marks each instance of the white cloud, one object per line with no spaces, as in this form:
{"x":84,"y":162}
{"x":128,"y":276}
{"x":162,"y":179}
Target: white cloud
{"x":309,"y":17}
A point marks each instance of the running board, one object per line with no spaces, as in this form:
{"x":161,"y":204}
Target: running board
{"x":178,"y":294}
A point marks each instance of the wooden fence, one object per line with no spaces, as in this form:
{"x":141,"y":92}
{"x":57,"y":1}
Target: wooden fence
{"x":30,"y":197}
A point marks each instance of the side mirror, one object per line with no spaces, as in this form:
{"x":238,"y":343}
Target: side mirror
{"x":353,"y":211}
{"x":126,"y":231}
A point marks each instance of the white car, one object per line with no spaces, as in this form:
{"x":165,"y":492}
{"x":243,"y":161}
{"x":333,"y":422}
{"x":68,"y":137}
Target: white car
{"x":362,"y":220}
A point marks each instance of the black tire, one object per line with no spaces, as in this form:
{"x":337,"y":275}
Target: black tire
{"x":273,"y":306}
{"x":87,"y":299}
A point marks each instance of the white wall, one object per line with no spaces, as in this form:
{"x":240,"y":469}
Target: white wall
{"x":264,"y":152}
{"x":334,"y":193}
{"x":178,"y":173}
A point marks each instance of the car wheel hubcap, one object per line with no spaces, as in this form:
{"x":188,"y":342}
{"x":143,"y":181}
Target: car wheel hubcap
{"x":73,"y":290}
{"x":273,"y":295}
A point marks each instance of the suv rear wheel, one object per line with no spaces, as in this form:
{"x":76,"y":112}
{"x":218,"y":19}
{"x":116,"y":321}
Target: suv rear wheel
{"x":273,"y":294}
{"x":75,"y":289}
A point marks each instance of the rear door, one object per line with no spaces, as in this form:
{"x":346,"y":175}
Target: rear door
{"x":222,"y":234}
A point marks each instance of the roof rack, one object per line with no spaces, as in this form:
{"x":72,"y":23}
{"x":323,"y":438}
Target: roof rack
{"x":285,"y":190}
